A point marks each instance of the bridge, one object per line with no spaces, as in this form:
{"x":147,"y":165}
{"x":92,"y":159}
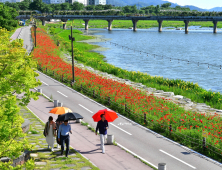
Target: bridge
{"x":134,"y":19}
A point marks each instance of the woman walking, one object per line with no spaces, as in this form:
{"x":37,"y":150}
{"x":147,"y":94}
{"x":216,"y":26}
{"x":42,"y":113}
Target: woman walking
{"x":50,"y":130}
{"x":58,"y":123}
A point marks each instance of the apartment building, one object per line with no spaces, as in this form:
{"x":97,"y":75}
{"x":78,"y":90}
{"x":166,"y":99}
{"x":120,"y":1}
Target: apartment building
{"x":100,"y":2}
{"x":10,"y":1}
{"x":96,"y":2}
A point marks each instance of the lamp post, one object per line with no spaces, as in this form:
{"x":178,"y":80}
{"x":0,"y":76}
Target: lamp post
{"x":35,"y":33}
{"x":73,"y":71}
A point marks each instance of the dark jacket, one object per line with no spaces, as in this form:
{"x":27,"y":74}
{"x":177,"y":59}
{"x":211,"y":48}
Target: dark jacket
{"x":102,"y":127}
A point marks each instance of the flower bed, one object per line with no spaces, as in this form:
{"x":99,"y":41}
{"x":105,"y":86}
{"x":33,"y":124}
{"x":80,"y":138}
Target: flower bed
{"x":158,"y":114}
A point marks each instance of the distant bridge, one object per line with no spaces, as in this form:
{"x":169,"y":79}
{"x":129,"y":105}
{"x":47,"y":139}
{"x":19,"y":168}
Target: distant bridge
{"x":134,"y":19}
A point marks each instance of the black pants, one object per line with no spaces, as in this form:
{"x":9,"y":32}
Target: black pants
{"x":65,"y":139}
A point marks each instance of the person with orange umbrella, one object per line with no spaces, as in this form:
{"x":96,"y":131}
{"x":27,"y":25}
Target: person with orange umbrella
{"x":103,"y":117}
{"x":59,"y":111}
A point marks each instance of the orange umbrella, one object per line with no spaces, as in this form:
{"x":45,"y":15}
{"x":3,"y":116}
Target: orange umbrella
{"x":60,"y":110}
{"x":109,"y":114}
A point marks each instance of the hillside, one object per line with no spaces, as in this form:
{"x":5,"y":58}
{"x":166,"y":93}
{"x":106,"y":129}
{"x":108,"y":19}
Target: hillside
{"x":143,"y":3}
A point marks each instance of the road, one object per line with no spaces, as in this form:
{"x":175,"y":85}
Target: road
{"x":150,"y":146}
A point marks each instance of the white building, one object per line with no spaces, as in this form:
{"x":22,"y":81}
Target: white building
{"x":84,"y":2}
{"x":100,"y":2}
{"x":10,"y":1}
{"x":56,"y":1}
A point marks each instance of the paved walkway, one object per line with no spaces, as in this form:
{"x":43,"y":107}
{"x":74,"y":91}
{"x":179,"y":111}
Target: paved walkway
{"x":87,"y":143}
{"x":16,"y":34}
{"x":44,"y":158}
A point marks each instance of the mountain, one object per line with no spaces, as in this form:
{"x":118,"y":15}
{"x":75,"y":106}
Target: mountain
{"x":217,"y":9}
{"x":143,"y":3}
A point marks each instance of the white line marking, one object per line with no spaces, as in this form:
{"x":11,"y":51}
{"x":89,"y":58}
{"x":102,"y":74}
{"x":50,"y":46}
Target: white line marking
{"x":177,"y":159}
{"x":44,"y":83}
{"x":62,"y":93}
{"x":202,"y":156}
{"x":121,"y":129}
{"x":137,"y":156}
{"x":85,"y":108}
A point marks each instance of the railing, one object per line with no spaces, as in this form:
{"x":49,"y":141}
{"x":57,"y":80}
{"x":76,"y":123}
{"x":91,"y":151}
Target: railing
{"x":199,"y":145}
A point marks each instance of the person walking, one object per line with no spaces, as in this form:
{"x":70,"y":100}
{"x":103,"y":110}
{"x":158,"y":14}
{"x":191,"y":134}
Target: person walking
{"x":50,"y":132}
{"x":102,"y":126}
{"x":58,"y":123}
{"x":63,"y":136}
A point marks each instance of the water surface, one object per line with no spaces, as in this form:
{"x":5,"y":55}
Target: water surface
{"x":200,"y":45}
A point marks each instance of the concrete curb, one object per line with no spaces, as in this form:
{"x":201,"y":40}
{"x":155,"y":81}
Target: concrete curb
{"x":190,"y":150}
{"x":70,"y":145}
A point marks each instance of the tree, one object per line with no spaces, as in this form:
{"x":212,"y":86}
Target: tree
{"x":157,"y":9}
{"x":134,"y":9}
{"x":37,"y":5}
{"x":65,"y":6}
{"x":17,"y":76}
{"x":7,"y":17}
{"x":57,"y":6}
{"x":90,"y":7}
{"x":142,"y":12}
{"x":47,"y":8}
{"x":107,"y":7}
{"x":166,"y":5}
{"x":77,"y":6}
{"x":24,"y":5}
{"x":99,"y":7}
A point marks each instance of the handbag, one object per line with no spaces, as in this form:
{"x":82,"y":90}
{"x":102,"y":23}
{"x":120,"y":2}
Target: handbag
{"x":44,"y":133}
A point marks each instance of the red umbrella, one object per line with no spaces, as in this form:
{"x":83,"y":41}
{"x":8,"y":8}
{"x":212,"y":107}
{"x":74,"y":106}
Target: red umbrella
{"x":109,"y":114}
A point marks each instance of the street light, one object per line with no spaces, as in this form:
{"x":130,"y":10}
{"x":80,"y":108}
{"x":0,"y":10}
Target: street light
{"x":73,"y":71}
{"x":35,"y":32}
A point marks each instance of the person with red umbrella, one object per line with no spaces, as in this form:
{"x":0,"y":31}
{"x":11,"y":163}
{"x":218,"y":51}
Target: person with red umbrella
{"x":102,"y":126}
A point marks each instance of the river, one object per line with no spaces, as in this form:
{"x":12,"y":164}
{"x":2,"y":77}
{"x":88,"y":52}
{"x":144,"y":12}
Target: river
{"x":200,"y":45}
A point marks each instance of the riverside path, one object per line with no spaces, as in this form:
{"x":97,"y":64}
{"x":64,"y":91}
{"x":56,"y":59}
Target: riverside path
{"x":146,"y":144}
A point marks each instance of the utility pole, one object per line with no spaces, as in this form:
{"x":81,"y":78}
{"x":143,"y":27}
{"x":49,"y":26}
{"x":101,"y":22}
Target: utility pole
{"x":73,"y":71}
{"x":35,"y":32}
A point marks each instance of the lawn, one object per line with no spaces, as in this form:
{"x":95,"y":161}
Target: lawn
{"x":140,"y":24}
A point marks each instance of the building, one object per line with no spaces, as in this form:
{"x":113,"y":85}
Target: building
{"x":96,"y":2}
{"x":84,"y":2}
{"x":53,"y":1}
{"x":100,"y":2}
{"x":10,"y":1}
{"x":91,"y":2}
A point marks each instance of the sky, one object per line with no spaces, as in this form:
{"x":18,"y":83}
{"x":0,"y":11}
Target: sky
{"x":206,"y":4}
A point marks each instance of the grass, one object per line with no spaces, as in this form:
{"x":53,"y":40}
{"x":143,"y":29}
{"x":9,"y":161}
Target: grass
{"x":163,"y":129}
{"x":140,"y":24}
{"x":97,"y":61}
{"x":52,"y":159}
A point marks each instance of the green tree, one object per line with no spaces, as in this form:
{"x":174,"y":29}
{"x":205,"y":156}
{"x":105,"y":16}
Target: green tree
{"x":166,"y":5}
{"x":24,"y":5}
{"x":90,"y":7}
{"x":99,"y":7}
{"x":107,"y":7}
{"x":17,"y":76}
{"x":37,"y":5}
{"x":77,"y":6}
{"x":142,"y":12}
{"x":65,"y":6}
{"x":7,"y":17}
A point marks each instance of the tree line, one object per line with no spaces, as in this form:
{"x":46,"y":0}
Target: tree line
{"x":39,"y":5}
